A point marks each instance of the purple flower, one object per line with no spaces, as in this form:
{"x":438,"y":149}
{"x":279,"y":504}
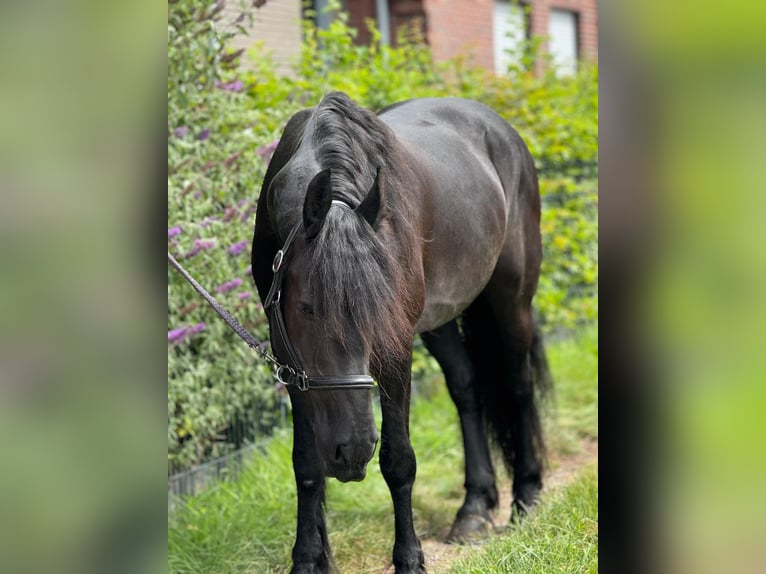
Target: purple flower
{"x":197,"y":328}
{"x":229,"y":285}
{"x":204,"y":243}
{"x":173,"y":231}
{"x":249,"y":270}
{"x":208,"y":220}
{"x":199,"y":245}
{"x":181,"y":131}
{"x":177,"y":335}
{"x":267,"y":150}
{"x":203,"y":135}
{"x":238,"y":248}
{"x":244,"y":295}
{"x":191,"y":253}
{"x":235,"y":86}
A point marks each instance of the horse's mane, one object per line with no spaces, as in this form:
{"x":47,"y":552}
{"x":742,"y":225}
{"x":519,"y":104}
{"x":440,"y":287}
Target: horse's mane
{"x":354,"y":273}
{"x":352,"y":142}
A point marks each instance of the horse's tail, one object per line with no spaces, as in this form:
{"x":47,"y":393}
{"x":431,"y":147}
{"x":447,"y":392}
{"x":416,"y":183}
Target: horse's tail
{"x":542,"y":380}
{"x":509,"y":410}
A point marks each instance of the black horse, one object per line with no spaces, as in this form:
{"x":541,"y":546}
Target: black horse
{"x":424,"y":218}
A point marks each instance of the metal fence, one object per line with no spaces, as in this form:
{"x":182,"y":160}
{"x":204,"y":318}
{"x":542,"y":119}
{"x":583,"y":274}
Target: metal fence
{"x":196,"y":479}
{"x":245,"y":435}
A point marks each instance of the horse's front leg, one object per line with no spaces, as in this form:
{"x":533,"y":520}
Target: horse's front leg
{"x":311,"y":553}
{"x":397,"y":462}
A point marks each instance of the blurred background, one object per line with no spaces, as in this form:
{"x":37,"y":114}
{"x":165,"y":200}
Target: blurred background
{"x":83,"y":368}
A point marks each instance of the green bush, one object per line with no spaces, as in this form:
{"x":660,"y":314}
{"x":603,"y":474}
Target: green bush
{"x":222,"y":124}
{"x":214,"y":174}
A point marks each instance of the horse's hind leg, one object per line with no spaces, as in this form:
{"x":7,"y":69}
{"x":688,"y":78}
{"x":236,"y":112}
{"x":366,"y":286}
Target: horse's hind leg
{"x":473,"y":519}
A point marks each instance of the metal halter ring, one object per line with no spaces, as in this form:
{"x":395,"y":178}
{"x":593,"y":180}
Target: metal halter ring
{"x":302,"y":377}
{"x":277,"y":261}
{"x":278,"y":373}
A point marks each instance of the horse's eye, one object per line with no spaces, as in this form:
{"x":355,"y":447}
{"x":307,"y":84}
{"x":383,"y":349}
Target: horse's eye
{"x":306,"y":310}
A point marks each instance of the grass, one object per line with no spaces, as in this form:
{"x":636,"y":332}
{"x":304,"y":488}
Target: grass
{"x":248,"y":526}
{"x":561,"y":536}
{"x":572,"y":415}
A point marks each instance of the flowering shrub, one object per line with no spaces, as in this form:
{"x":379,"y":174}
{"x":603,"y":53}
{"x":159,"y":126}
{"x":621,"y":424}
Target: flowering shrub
{"x":214,"y":173}
{"x":223,"y":127}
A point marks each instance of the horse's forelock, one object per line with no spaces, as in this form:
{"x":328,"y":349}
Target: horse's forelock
{"x":355,"y":282}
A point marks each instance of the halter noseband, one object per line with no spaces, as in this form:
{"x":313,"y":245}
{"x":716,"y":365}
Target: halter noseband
{"x":293,"y":372}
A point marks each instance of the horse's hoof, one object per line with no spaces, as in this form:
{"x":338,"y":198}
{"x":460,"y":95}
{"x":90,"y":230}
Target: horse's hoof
{"x":319,"y":567}
{"x":311,"y":569}
{"x":520,"y":508}
{"x":470,"y":528}
{"x":411,"y":562}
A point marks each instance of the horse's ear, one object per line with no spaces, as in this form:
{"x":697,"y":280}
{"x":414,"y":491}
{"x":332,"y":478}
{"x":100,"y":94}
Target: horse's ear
{"x":317,"y":203}
{"x":371,"y":206}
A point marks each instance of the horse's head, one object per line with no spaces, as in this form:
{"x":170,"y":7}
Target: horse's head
{"x":331,"y":298}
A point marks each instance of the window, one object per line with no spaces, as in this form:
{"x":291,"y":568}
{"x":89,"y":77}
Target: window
{"x":562,"y":45}
{"x":322,"y":18}
{"x":509,"y":30}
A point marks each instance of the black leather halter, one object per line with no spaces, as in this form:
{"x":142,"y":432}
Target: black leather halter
{"x":293,"y":373}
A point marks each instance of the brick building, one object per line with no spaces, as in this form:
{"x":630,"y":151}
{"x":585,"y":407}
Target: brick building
{"x":277,"y":24}
{"x":484,"y":28}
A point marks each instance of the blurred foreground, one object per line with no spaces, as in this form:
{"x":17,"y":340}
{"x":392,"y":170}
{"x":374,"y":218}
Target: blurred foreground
{"x":683,"y":139}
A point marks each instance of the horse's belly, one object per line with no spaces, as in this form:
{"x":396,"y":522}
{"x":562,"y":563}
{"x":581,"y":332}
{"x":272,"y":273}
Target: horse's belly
{"x":437,"y":312}
{"x":452,"y":283}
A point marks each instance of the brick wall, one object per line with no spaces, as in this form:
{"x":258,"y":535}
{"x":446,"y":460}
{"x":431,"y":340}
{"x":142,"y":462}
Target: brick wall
{"x":400,"y":13}
{"x":359,"y":11}
{"x":458,"y":26}
{"x":587,"y":13}
{"x":452,"y":27}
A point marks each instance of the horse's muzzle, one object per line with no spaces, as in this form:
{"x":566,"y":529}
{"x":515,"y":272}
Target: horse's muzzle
{"x":349,"y":461}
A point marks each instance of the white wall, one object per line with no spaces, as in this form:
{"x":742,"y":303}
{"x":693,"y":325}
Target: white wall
{"x":276,"y":24}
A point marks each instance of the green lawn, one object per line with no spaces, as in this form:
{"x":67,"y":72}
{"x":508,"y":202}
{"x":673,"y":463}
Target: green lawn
{"x":561,"y":536}
{"x":248,"y":526}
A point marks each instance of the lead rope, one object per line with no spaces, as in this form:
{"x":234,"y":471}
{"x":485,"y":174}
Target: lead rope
{"x":225,"y":315}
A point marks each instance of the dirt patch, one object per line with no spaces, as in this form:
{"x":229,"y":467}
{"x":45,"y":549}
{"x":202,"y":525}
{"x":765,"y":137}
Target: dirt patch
{"x":563,"y":468}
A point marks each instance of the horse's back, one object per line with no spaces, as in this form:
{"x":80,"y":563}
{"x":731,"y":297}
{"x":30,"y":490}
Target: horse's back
{"x":471,"y":158}
{"x":477,"y":190}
